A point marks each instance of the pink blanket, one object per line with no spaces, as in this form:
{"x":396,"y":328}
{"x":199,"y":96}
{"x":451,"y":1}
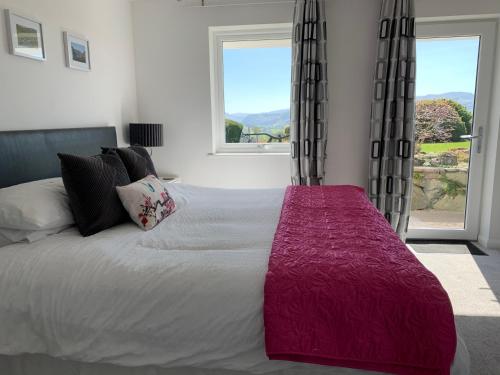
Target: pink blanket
{"x":343,"y":290}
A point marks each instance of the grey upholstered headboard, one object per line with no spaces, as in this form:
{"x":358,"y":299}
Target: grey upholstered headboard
{"x":31,"y":155}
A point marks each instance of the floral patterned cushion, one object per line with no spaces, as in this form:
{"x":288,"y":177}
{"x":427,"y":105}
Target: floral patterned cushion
{"x":147,"y":201}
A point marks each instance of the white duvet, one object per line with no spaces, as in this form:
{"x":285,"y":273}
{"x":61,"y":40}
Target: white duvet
{"x":187,"y":294}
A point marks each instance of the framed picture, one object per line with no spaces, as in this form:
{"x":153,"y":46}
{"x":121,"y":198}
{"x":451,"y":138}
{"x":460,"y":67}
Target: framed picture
{"x":25,"y":36}
{"x":77,"y":51}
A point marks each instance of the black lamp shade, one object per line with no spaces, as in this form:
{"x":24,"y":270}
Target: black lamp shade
{"x":146,"y":135}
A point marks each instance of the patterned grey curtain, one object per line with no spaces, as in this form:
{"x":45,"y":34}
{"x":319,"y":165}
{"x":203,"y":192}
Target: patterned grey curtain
{"x":309,"y":97}
{"x":393,"y":114}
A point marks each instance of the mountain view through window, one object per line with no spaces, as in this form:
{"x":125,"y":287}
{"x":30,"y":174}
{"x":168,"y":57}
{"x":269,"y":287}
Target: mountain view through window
{"x":257,"y":91}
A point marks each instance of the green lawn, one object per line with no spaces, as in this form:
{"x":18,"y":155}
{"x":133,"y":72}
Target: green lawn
{"x":443,"y":147}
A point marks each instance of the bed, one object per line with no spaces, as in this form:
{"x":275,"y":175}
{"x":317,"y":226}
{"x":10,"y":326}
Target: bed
{"x":185,"y":298}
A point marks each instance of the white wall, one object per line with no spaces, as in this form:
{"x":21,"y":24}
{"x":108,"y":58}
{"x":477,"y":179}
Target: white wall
{"x":173,"y":85}
{"x":352,"y":42}
{"x":37,"y":95}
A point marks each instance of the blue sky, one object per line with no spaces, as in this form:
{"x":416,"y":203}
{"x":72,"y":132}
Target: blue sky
{"x":258,"y":79}
{"x":445,"y":65}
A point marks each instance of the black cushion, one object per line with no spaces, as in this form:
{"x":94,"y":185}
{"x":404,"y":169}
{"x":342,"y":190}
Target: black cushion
{"x":136,"y":160}
{"x":91,"y":185}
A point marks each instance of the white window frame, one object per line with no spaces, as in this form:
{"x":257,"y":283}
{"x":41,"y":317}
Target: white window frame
{"x":486,"y":30}
{"x":217,"y":36}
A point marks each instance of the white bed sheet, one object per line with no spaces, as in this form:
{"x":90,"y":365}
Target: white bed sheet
{"x":187,"y":295}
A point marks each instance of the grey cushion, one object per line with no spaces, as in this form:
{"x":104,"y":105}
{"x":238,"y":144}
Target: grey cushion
{"x":136,"y":160}
{"x":91,"y":185}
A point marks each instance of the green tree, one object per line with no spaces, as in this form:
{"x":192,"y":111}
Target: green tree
{"x":437,"y":121}
{"x":233,"y":131}
{"x":286,"y":133}
{"x":464,"y":114}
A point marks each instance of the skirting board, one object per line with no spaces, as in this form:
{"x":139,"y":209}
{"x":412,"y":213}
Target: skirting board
{"x":489,"y":243}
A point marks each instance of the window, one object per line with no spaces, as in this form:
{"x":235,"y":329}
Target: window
{"x":250,"y":79}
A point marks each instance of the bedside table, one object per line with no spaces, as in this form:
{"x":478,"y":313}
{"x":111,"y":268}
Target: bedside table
{"x":170,"y":179}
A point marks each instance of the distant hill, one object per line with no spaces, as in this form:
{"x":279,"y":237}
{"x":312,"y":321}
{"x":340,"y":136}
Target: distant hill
{"x":464,"y":98}
{"x":236,"y":116}
{"x":280,"y":118}
{"x":266,"y":120}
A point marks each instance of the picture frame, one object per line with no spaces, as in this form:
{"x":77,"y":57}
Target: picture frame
{"x":77,"y":51}
{"x":25,"y":36}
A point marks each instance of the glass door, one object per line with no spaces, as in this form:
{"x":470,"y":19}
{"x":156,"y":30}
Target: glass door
{"x":454,"y":69}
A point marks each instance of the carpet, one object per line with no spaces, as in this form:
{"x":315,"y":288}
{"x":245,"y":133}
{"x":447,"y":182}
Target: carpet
{"x":473,"y":284}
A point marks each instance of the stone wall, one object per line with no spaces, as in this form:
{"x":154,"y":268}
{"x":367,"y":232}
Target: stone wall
{"x":439,"y":188}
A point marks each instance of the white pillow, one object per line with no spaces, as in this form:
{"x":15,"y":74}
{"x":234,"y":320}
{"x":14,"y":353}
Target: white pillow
{"x":10,"y":236}
{"x":37,"y":205}
{"x":147,"y":201}
{"x":4,"y":241}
